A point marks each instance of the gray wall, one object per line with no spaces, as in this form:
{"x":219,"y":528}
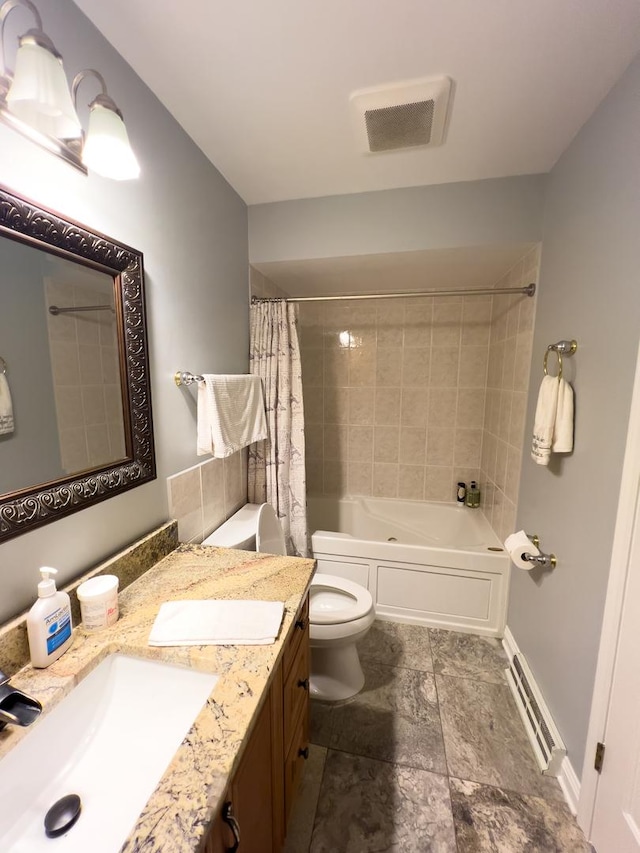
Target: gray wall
{"x":473,"y":213}
{"x":588,"y":291}
{"x":31,"y":453}
{"x":192,"y":228}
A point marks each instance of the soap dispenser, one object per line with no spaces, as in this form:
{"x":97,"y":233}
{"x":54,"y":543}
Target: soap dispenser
{"x":49,"y":622}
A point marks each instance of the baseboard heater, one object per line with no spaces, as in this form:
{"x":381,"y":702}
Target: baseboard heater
{"x":545,"y":739}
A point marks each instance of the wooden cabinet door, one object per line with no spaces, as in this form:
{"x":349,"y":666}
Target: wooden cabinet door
{"x":252,"y":790}
{"x":220,"y":838}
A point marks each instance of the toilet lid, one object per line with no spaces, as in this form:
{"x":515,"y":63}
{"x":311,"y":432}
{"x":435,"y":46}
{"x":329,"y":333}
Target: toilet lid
{"x":333,"y":600}
{"x":269,"y":535}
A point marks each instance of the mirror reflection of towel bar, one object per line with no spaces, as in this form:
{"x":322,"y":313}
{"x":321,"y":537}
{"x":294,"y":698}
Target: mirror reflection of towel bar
{"x":53,"y":309}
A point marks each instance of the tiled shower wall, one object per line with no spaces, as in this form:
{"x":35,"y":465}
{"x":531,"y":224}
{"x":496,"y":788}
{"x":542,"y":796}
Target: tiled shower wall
{"x":394,"y":394}
{"x":504,"y":442}
{"x":404,"y":398}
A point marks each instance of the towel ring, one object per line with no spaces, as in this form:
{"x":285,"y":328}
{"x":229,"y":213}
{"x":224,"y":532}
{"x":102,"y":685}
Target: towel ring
{"x":546,"y":357}
{"x":560,"y":348}
{"x":3,"y":366}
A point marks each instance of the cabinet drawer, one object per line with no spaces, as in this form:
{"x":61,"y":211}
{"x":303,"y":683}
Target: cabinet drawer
{"x":295,"y":761}
{"x":296,"y":691}
{"x":301,"y":629}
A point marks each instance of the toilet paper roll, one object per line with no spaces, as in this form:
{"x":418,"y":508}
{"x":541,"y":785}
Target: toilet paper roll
{"x":518,"y":544}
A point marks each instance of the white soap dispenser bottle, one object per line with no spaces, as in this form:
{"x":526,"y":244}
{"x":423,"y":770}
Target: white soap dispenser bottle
{"x":49,"y":622}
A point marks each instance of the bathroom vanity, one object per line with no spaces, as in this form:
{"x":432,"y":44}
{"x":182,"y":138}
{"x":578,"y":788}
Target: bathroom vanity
{"x":248,"y":744}
{"x":258,"y":802}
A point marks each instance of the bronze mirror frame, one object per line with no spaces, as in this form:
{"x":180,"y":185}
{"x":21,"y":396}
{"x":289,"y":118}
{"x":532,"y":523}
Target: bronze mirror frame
{"x":33,"y":506}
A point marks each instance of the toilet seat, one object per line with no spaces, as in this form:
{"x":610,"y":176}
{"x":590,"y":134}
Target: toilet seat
{"x":269,"y":535}
{"x":334,"y":600}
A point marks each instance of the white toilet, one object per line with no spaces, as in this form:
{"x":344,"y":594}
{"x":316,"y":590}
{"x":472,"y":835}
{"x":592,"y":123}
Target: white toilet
{"x":340,"y":611}
{"x":340,"y":614}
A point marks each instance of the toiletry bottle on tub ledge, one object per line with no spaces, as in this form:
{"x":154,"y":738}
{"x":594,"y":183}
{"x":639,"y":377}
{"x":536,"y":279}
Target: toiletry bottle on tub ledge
{"x":473,"y":495}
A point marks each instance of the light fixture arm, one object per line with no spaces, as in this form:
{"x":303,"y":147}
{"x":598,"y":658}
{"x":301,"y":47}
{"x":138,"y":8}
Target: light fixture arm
{"x":7,"y":7}
{"x":103,"y":99}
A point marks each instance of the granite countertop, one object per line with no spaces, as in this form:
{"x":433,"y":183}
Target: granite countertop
{"x":178,"y":814}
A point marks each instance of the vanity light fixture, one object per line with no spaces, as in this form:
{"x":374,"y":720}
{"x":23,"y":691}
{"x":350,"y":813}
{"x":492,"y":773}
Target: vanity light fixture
{"x":35,"y":100}
{"x":106,"y":149}
{"x":39,"y":93}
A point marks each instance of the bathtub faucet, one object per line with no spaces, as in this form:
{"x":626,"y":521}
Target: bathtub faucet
{"x":16,"y":708}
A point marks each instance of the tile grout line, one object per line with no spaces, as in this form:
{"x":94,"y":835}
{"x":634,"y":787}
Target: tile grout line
{"x":446,"y":760}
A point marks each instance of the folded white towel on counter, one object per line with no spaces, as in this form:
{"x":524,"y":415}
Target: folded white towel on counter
{"x":230,"y":414}
{"x":563,"y":427}
{"x":217,"y":623}
{"x":6,"y":407}
{"x":545,"y":420}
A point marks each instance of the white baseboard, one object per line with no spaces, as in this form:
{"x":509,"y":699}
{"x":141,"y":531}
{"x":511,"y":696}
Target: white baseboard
{"x":567,"y":777}
{"x":509,"y":644}
{"x":570,"y":784}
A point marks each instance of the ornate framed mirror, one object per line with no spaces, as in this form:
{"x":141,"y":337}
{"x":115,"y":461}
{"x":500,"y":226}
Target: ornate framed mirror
{"x":75,"y":404}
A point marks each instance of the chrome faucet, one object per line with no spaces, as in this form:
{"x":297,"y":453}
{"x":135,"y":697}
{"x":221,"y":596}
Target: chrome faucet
{"x":16,"y":708}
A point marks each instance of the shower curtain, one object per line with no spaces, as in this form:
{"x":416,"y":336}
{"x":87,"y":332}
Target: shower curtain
{"x":276,"y":465}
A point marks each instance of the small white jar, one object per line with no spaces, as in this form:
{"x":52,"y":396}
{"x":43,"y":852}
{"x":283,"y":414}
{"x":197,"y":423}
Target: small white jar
{"x":98,"y":599}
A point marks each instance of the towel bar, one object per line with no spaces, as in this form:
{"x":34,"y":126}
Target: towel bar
{"x":183,"y":377}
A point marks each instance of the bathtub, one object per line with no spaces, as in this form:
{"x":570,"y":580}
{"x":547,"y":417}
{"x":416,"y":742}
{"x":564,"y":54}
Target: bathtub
{"x":434,"y":564}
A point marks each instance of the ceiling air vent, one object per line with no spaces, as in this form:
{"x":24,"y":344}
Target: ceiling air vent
{"x":403,"y":115}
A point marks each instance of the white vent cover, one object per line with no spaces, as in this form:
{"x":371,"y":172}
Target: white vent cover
{"x":402,"y":115}
{"x":543,"y":735}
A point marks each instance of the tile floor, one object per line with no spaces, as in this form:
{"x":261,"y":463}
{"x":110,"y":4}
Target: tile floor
{"x":431,"y":756}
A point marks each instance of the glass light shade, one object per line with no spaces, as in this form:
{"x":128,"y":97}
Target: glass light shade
{"x":107,"y":150}
{"x":39,"y":94}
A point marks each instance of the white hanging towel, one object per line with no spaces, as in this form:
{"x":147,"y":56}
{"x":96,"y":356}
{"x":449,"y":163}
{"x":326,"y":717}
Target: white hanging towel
{"x":545,"y":420}
{"x":563,"y":427}
{"x":6,"y":407}
{"x":230,"y":414}
{"x":217,"y":623}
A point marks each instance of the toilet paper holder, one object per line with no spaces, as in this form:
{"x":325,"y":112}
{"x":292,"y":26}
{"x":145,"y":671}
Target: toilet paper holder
{"x":540,"y":559}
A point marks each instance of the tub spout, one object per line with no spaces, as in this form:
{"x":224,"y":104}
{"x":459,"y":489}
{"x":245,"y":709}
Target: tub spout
{"x":16,"y":708}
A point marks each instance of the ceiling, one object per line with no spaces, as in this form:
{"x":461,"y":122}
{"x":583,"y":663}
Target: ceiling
{"x":394,"y":272}
{"x":263,"y":87}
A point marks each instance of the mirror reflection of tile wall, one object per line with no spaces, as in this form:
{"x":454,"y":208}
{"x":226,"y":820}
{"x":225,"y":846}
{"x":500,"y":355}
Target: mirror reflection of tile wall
{"x":404,"y":398}
{"x":86,"y":379}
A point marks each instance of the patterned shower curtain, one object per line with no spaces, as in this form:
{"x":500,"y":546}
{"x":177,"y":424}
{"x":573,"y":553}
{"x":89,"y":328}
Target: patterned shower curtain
{"x":276,"y":465}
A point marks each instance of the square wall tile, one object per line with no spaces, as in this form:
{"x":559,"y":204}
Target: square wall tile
{"x":235,"y":484}
{"x":385,"y":480}
{"x":212,"y":482}
{"x":185,"y":503}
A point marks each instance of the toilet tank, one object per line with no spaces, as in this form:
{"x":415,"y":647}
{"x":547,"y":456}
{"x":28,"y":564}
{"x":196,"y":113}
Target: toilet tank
{"x":255,"y":527}
{"x":239,"y":531}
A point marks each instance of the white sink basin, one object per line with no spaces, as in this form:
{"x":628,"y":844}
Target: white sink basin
{"x":109,"y":742}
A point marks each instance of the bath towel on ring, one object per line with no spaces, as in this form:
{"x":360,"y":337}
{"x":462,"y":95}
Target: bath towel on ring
{"x":6,"y":406}
{"x":230,"y":413}
{"x":553,"y":421}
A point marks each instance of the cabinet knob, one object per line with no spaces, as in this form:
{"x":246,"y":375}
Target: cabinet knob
{"x":304,"y":683}
{"x":300,"y":624}
{"x":304,"y":753}
{"x":230,"y":819}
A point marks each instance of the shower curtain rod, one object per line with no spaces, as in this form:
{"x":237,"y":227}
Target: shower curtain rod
{"x":529,"y":290}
